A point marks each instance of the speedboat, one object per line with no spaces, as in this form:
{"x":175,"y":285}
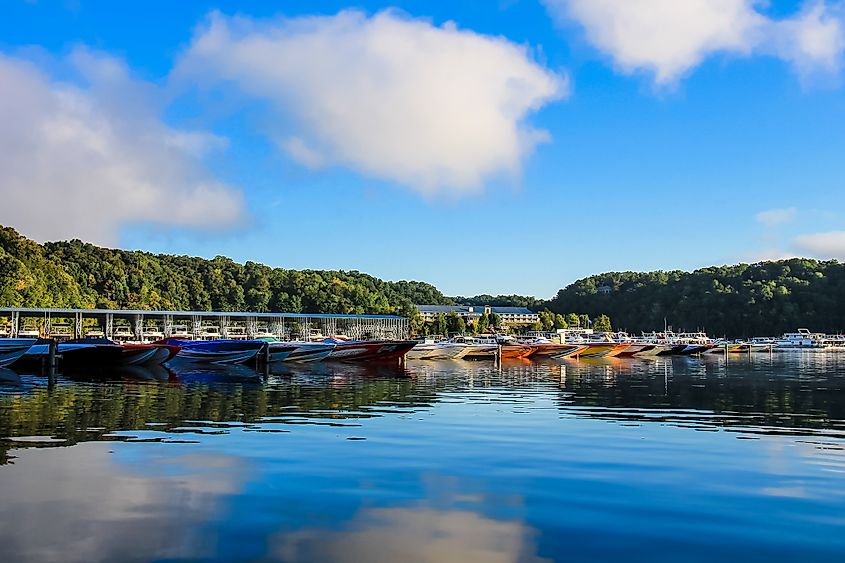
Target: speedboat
{"x":280,"y":351}
{"x":148,"y":354}
{"x":86,"y":352}
{"x":11,"y":349}
{"x":368,"y":350}
{"x":216,"y":351}
{"x":433,"y":350}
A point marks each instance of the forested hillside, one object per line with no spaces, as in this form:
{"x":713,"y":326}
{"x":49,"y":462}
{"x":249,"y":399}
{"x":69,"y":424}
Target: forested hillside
{"x":76,"y":274}
{"x":768,"y":298}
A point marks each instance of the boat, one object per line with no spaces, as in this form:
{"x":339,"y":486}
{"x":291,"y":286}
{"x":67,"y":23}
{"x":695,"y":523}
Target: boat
{"x":515,"y":351}
{"x":368,"y":350}
{"x":478,"y":347}
{"x":12,"y":349}
{"x":29,"y":331}
{"x":215,"y":351}
{"x":653,"y":350}
{"x":573,"y":352}
{"x":85,"y":352}
{"x":602,"y":349}
{"x":801,"y":340}
{"x":302,"y":352}
{"x":432,"y":349}
{"x":148,"y":354}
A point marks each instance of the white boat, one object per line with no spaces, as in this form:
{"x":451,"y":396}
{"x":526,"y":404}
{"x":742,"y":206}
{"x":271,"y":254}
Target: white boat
{"x":803,"y":339}
{"x":29,"y":331}
{"x":438,"y":350}
{"x":11,"y":349}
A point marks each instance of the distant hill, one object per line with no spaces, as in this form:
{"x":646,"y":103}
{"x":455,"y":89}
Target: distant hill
{"x":77,"y":274}
{"x":767,"y":298}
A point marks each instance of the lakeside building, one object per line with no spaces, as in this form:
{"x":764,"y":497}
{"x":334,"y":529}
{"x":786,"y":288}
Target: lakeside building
{"x":471,"y":313}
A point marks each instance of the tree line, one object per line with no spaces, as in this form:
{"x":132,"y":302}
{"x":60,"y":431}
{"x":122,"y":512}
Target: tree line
{"x":78,"y":274}
{"x":767,"y":298}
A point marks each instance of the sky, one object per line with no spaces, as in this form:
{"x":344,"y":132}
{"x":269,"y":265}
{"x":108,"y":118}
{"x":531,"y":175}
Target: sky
{"x":508,"y":146}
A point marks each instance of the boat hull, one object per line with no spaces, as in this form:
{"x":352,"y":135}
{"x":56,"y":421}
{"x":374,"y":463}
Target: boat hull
{"x":12,"y":349}
{"x":310,"y":352}
{"x":216,"y":351}
{"x":515,"y":351}
{"x":377,"y":350}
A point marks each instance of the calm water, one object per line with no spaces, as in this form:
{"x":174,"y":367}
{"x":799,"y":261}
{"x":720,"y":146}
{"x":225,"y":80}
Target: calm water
{"x":663,"y":460}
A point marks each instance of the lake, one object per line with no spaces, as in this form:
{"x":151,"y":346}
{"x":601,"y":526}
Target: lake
{"x":671,"y":459}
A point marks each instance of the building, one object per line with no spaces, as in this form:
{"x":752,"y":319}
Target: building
{"x":471,"y":313}
{"x":605,"y":289}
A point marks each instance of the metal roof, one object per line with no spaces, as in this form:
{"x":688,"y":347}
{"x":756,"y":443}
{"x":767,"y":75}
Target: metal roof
{"x":475,"y":309}
{"x":60,"y":311}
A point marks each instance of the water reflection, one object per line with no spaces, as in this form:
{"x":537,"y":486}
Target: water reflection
{"x":446,"y":461}
{"x":795,"y":393}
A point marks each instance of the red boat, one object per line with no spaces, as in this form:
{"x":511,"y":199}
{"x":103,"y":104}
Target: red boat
{"x":515,"y":351}
{"x":368,"y":350}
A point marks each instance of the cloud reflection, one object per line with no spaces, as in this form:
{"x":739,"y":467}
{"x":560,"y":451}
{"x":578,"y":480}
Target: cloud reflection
{"x":413,"y":535}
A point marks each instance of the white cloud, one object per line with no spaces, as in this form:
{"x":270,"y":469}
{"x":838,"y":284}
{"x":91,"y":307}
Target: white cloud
{"x":776,"y":217}
{"x":822,"y":245}
{"x":670,"y":37}
{"x":438,"y":109}
{"x":82,"y":160}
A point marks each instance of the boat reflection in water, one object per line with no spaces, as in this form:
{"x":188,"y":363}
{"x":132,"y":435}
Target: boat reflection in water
{"x":601,"y":459}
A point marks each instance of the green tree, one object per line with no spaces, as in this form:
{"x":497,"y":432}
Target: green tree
{"x":602,"y":324}
{"x":483,"y":324}
{"x":455,"y":323}
{"x":573,"y":320}
{"x":547,"y":320}
{"x":495,"y":321}
{"x":560,"y":321}
{"x":439,"y":326}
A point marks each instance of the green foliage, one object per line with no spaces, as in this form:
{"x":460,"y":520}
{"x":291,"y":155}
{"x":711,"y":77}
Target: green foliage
{"x":77,"y":274}
{"x":602,"y":324}
{"x":455,"y":323}
{"x":483,"y":324}
{"x":499,"y":301}
{"x":547,"y":320}
{"x":767,"y":298}
{"x":560,"y":321}
{"x":439,"y":326}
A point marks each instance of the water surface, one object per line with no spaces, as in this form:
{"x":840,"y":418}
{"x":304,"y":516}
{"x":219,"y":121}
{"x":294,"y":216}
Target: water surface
{"x":606,"y":460}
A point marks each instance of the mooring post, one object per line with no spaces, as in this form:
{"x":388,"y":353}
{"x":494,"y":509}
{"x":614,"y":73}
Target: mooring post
{"x":52,"y":348}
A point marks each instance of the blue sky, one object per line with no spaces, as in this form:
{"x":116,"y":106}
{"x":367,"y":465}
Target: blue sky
{"x":495,"y":147}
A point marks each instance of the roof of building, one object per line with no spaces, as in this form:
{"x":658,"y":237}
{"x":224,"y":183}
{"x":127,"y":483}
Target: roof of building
{"x":473,"y":309}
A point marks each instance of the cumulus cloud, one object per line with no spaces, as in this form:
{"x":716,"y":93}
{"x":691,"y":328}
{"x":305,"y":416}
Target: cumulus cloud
{"x":670,"y":37}
{"x":776,"y":217}
{"x":822,"y":245}
{"x":83,"y":159}
{"x":438,"y":109}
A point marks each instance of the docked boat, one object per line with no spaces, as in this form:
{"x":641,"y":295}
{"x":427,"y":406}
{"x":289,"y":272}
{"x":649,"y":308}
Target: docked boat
{"x":515,"y":351}
{"x":302,"y":352}
{"x":90,"y":352}
{"x":148,"y":354}
{"x":12,"y":349}
{"x":216,"y":351}
{"x":431,"y":349}
{"x":368,"y":350}
{"x":802,"y":340}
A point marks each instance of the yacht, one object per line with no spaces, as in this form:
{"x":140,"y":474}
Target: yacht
{"x":803,"y":339}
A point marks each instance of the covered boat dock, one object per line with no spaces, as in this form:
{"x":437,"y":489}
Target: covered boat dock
{"x":151,"y":325}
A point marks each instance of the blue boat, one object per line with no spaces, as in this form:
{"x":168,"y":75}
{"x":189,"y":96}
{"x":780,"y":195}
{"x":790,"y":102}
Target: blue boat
{"x":216,"y":351}
{"x":11,"y":349}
